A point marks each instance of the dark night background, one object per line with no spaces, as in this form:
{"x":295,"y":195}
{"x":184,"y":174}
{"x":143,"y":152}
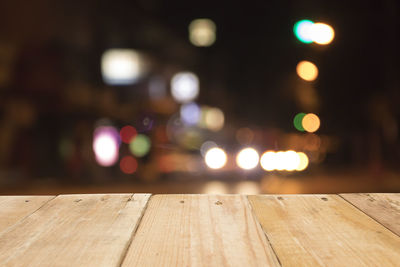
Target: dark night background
{"x":52,"y":93}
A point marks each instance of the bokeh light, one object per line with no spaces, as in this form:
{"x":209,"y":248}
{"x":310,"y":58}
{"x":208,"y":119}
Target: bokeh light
{"x":322,"y":33}
{"x":303,"y":161}
{"x":202,"y":32}
{"x":291,"y":160}
{"x":307,"y":71}
{"x":127,"y":133}
{"x":128,"y":165}
{"x":106,"y":145}
{"x":311,"y":122}
{"x":280,"y":161}
{"x":302,"y":30}
{"x":184,"y":87}
{"x":215,"y":158}
{"x":214,"y":119}
{"x":121,"y":66}
{"x":190,"y":113}
{"x":267,"y":161}
{"x":140,"y":145}
{"x":297,"y":121}
{"x":247,"y":158}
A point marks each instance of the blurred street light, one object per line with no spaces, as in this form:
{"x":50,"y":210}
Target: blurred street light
{"x":202,"y":32}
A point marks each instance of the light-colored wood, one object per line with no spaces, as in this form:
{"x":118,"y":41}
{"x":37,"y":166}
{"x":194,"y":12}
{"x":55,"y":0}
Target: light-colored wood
{"x":199,"y":230}
{"x":16,"y":208}
{"x":324,"y":230}
{"x":74,"y":230}
{"x":385,"y":208}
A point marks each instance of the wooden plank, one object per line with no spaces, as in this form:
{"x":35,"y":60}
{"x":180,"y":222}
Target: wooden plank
{"x":16,"y":208}
{"x":385,"y":208}
{"x":199,"y":230}
{"x":324,"y":230}
{"x":74,"y":230}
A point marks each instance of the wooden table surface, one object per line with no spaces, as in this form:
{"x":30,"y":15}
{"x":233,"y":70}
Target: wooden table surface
{"x":200,"y":230}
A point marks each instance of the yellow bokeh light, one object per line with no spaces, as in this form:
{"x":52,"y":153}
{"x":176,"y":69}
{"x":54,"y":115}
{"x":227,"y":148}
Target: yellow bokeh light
{"x":215,"y":158}
{"x":322,"y":33}
{"x":307,"y":71}
{"x":267,"y":161}
{"x":214,"y":119}
{"x":291,"y":160}
{"x":311,"y":122}
{"x":303,"y":163}
{"x":247,"y":158}
{"x":202,"y":32}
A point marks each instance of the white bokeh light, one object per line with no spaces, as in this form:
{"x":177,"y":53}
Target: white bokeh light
{"x":291,"y":160}
{"x":247,"y":158}
{"x":121,"y":66}
{"x":268,"y":161}
{"x":215,"y":158}
{"x":184,"y":87}
{"x":190,"y":113}
{"x":106,"y":146}
{"x":322,"y":33}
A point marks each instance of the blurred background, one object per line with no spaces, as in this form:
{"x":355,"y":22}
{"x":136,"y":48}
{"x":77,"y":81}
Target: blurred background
{"x":199,"y":96}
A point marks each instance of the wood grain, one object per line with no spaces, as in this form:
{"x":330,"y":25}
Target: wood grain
{"x":385,"y":208}
{"x":74,"y":230}
{"x":199,"y":230}
{"x":16,"y":208}
{"x":324,"y":230}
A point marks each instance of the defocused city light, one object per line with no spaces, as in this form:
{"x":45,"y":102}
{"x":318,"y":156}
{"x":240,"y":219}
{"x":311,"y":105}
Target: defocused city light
{"x":291,"y":160}
{"x":207,"y":145}
{"x":307,"y":71}
{"x":127,"y":133}
{"x":303,"y":161}
{"x":267,"y":161}
{"x":215,"y":158}
{"x":184,"y":87}
{"x":297,"y":121}
{"x":280,"y":161}
{"x":247,"y":158}
{"x":157,"y":88}
{"x":140,"y":145}
{"x":322,"y":33}
{"x":106,"y":145}
{"x":190,"y":113}
{"x":202,"y":32}
{"x":214,"y":119}
{"x":121,"y":66}
{"x":302,"y":30}
{"x":128,"y":164}
{"x":311,"y":122}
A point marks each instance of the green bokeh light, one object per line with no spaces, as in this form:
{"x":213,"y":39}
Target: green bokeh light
{"x":297,"y":121}
{"x":140,"y":145}
{"x":301,"y":30}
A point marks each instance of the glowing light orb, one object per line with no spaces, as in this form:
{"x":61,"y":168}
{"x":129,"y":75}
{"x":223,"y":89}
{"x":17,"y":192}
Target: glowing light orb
{"x":311,"y":122}
{"x":297,"y":121}
{"x":202,"y":32}
{"x":268,"y":161}
{"x":247,"y":158}
{"x":106,"y":146}
{"x":280,"y":161}
{"x":190,"y":113}
{"x":303,"y":161}
{"x":121,"y":66}
{"x":307,"y":71}
{"x":215,"y":158}
{"x":322,"y":33}
{"x":127,"y":133}
{"x":140,"y":145}
{"x":302,"y":30}
{"x":128,"y":164}
{"x":291,"y":160}
{"x":184,"y":87}
{"x":214,"y":119}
